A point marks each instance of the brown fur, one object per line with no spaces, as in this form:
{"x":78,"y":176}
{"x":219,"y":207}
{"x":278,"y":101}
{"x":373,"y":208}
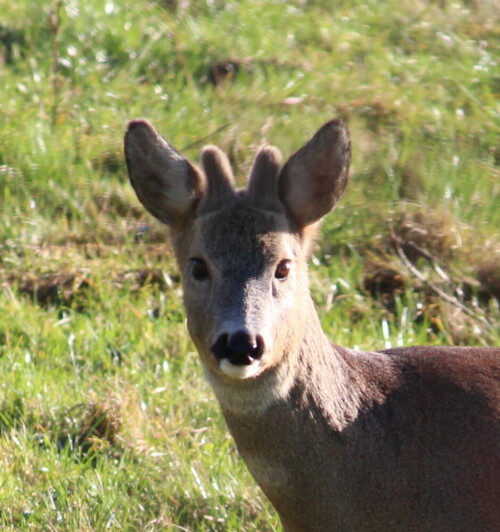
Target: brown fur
{"x":399,"y":440}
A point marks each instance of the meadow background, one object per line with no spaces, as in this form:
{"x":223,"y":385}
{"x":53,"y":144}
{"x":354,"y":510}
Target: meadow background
{"x":105,"y":421}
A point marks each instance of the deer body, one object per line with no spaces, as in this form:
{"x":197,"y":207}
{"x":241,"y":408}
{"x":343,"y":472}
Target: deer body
{"x":409,"y":460}
{"x":401,"y":440}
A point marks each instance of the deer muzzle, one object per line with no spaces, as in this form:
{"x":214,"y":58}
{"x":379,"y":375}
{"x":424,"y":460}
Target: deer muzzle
{"x":239,"y":354}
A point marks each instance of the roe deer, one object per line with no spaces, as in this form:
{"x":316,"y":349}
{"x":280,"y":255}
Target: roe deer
{"x":404,"y":439}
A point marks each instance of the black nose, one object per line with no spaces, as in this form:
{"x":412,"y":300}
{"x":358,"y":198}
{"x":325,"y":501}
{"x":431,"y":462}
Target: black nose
{"x":240,"y":348}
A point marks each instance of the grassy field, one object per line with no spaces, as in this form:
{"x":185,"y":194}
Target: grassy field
{"x":105,"y":420}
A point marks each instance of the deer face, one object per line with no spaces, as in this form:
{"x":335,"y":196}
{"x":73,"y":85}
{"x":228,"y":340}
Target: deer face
{"x":243,"y":275}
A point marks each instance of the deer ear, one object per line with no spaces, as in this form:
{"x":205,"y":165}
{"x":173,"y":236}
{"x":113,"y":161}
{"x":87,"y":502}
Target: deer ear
{"x":313,"y":179}
{"x":166,"y":183}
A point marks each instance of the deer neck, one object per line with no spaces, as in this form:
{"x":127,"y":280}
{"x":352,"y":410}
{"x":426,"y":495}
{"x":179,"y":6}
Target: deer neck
{"x":308,"y":425}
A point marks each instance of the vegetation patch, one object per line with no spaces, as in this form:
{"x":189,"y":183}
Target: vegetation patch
{"x":105,"y":420}
{"x":71,"y":289}
{"x":488,"y":275}
{"x":425,"y":234}
{"x":384,"y":282}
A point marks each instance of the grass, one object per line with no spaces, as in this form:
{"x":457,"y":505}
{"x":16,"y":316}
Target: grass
{"x":105,"y":421}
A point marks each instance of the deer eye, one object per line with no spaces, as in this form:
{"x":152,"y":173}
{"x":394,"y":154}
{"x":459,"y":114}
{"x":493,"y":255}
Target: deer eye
{"x":199,"y":269}
{"x":283,"y":269}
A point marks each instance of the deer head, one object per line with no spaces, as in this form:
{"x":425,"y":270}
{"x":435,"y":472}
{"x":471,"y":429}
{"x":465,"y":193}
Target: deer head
{"x":242,"y":253}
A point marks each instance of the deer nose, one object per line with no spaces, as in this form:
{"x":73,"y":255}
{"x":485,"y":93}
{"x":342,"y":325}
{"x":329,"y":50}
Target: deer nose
{"x":240,"y":348}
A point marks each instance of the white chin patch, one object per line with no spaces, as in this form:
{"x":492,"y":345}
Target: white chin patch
{"x":239,"y":372}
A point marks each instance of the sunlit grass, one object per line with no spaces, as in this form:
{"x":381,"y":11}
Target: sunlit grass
{"x":105,"y":420}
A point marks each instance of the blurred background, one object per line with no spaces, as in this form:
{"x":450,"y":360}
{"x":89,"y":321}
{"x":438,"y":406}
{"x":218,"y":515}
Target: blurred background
{"x":105,"y":420}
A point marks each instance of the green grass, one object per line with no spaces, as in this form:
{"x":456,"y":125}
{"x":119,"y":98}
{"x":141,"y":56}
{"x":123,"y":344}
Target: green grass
{"x":105,"y":420}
